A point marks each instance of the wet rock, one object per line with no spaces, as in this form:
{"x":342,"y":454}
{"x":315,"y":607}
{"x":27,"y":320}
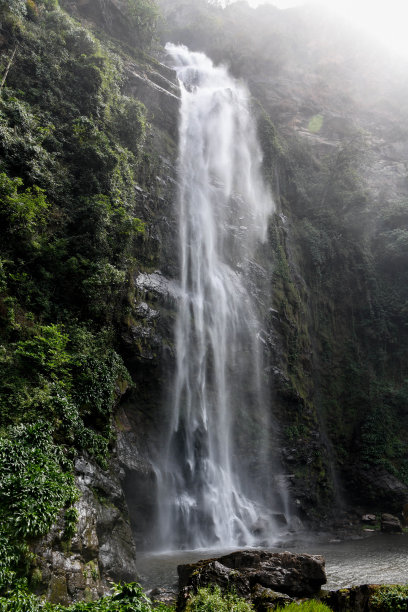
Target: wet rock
{"x":165,"y":595}
{"x":292,"y":574}
{"x":159,"y":91}
{"x":354,"y":599}
{"x":369,"y":519}
{"x":157,"y":287}
{"x":102,"y":547}
{"x":260,"y":527}
{"x":390,"y":524}
{"x":377,"y":487}
{"x":265,"y":599}
{"x":209,"y":572}
{"x":105,"y":508}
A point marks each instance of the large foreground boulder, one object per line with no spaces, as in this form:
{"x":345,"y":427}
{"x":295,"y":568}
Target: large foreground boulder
{"x":298,"y":575}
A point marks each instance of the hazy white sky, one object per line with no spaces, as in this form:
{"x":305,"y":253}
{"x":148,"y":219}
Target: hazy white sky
{"x":385,"y":19}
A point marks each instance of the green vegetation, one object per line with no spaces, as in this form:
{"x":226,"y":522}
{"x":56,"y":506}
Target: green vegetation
{"x":143,"y":16}
{"x":211,"y":599}
{"x":344,"y":359}
{"x":126,"y":597}
{"x":315,"y":124}
{"x":390,"y":598}
{"x":306,"y":606}
{"x":72,"y":151}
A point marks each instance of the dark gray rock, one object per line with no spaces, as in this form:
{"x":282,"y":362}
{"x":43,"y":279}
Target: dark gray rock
{"x":265,"y":599}
{"x":165,"y":595}
{"x":369,"y":519}
{"x":355,"y":599}
{"x":377,"y":488}
{"x":245,"y":572}
{"x":160,"y":93}
{"x":102,"y":547}
{"x":390,"y":524}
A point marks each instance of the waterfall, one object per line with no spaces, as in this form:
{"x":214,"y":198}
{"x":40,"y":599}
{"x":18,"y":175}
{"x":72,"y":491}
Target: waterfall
{"x":215,"y":480}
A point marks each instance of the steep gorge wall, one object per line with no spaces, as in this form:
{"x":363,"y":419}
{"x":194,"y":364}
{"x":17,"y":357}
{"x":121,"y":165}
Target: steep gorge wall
{"x":332,"y":122}
{"x":334,"y":334}
{"x":89,"y":123}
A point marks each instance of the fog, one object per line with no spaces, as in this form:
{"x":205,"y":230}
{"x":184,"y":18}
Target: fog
{"x":385,"y":21}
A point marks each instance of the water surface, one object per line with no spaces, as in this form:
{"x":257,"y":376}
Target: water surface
{"x":378,"y":559}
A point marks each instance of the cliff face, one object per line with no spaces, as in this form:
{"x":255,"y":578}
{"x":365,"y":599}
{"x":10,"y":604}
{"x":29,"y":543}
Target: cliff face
{"x":332,"y":121}
{"x":89,"y":127}
{"x":89,"y":260}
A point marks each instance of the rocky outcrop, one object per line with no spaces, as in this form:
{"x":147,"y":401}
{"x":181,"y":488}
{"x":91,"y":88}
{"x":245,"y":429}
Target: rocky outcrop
{"x":377,"y":487}
{"x":390,"y":524}
{"x":255,"y":575}
{"x":354,"y":599}
{"x":112,"y":16}
{"x":101,"y":550}
{"x":367,"y":598}
{"x":266,"y":599}
{"x":157,"y":87}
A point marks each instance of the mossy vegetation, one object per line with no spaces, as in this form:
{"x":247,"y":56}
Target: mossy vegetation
{"x":209,"y":599}
{"x":337,"y":304}
{"x":311,"y":605}
{"x":390,"y":598}
{"x":71,"y":150}
{"x":125,"y":597}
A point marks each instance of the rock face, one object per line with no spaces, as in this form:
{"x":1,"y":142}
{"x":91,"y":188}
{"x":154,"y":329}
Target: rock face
{"x":390,"y":524}
{"x":254,"y":575}
{"x":355,"y":599}
{"x":301,"y":85}
{"x":369,"y":519}
{"x":377,"y":487}
{"x":102,"y":548}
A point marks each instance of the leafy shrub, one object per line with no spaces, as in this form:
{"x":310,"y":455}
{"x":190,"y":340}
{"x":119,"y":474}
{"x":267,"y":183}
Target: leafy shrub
{"x":390,"y":598}
{"x":129,"y":123}
{"x":68,"y":230}
{"x":307,"y":606}
{"x":125,"y":598}
{"x":71,"y":521}
{"x":36,"y":482}
{"x":143,"y":16}
{"x":211,"y":599}
{"x":18,"y":7}
{"x":22,"y":212}
{"x":46,"y":352}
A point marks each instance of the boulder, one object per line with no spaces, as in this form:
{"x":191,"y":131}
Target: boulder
{"x":369,"y":519}
{"x":390,"y":524}
{"x":357,"y":598}
{"x":265,"y":599}
{"x":163,"y":595}
{"x":247,"y":572}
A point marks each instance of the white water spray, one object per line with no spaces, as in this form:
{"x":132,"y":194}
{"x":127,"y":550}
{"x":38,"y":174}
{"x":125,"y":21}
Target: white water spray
{"x":215,"y":474}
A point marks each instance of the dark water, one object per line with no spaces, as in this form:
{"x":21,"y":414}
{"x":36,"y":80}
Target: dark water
{"x":371,"y":560}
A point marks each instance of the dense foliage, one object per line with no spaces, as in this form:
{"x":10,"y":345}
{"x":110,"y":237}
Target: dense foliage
{"x":306,"y":606}
{"x":125,"y":598}
{"x":209,"y":599}
{"x":71,"y":148}
{"x":391,"y":598}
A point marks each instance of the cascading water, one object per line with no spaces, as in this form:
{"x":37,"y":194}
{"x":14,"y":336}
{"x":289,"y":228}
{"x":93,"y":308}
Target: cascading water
{"x":214,"y":479}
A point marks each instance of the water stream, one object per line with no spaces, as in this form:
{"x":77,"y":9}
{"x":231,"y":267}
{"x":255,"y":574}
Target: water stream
{"x":216,"y":484}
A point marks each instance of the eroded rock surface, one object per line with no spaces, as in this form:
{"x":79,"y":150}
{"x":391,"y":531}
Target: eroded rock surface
{"x":249,"y":573}
{"x":390,"y":523}
{"x":102,"y":548}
